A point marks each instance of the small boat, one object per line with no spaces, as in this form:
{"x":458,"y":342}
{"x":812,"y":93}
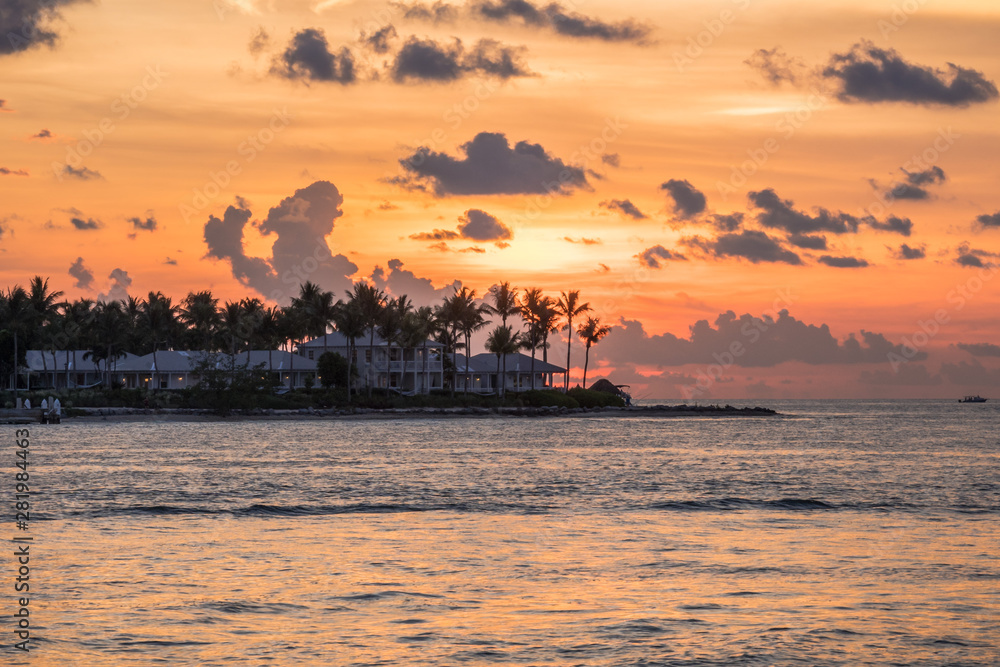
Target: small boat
{"x":972,"y":399}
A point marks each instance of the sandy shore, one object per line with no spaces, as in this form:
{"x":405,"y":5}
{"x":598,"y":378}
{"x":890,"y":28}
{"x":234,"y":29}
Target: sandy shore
{"x":655,"y":411}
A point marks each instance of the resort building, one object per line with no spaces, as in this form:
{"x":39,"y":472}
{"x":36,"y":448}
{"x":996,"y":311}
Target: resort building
{"x":483,"y":373}
{"x":408,"y":370}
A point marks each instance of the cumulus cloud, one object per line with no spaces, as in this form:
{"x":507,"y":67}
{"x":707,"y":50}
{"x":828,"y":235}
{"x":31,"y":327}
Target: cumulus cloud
{"x":906,"y":252}
{"x":752,"y":245}
{"x":981,"y":349}
{"x":309,"y":58}
{"x":988,"y":221}
{"x":974,"y":257}
{"x":4,"y":171}
{"x":84,"y":276}
{"x":259,"y":41}
{"x":777,"y":213}
{"x":652,"y":257}
{"x":149,"y":224}
{"x":914,"y":184}
{"x":25,"y":24}
{"x":428,"y":60}
{"x":491,"y":166}
{"x":85,"y":224}
{"x":965,"y":374}
{"x":439,"y":12}
{"x":612,"y":160}
{"x":118,"y":288}
{"x":380,"y":41}
{"x":766,"y":341}
{"x":625,"y":207}
{"x":688,"y":200}
{"x":399,"y":281}
{"x":777,"y":67}
{"x":477,"y":225}
{"x":556,"y":18}
{"x":907,"y":375}
{"x":300,"y":251}
{"x":869,"y":74}
{"x":42,"y":135}
{"x":843,"y":262}
{"x":83,"y":173}
{"x":892,"y":224}
{"x":807,"y":242}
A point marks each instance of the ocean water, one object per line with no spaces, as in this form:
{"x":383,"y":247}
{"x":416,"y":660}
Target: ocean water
{"x":842,"y":533}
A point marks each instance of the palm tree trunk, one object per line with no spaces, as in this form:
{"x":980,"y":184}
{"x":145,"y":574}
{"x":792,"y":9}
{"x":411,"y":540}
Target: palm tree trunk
{"x":569,"y":346}
{"x":350,"y":360}
{"x":370,"y":362}
{"x":532,"y":369}
{"x":586,"y":361}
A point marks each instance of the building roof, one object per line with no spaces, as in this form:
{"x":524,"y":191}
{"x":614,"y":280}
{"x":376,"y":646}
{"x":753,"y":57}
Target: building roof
{"x":46,"y":361}
{"x":337,"y":339}
{"x":516,"y":363}
{"x":173,"y":361}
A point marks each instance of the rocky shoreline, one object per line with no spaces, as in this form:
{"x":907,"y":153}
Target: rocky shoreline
{"x":179,"y":414}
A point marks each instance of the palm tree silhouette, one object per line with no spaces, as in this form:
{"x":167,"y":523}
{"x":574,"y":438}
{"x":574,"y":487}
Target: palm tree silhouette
{"x":348,"y":320}
{"x":501,"y":342}
{"x":591,"y":332}
{"x":369,"y":300}
{"x":569,"y":306}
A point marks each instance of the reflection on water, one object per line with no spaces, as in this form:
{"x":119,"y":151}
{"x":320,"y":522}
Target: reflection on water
{"x":862,"y":533}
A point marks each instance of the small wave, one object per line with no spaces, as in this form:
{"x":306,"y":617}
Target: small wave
{"x":731,"y":504}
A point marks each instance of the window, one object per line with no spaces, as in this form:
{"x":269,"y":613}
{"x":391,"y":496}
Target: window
{"x":311,"y":353}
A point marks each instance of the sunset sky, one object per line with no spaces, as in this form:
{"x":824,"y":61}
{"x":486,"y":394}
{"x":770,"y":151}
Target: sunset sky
{"x":691,"y":167}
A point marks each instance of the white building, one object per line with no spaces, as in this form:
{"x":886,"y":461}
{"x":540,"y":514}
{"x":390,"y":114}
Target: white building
{"x":414,"y":369}
{"x":483,"y":373}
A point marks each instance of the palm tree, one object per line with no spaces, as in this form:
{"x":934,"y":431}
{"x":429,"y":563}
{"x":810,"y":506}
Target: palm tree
{"x":591,"y":333}
{"x":369,"y":300}
{"x":160,"y":323}
{"x":446,"y":332}
{"x":428,"y":323}
{"x":110,"y":336}
{"x":390,"y":328}
{"x":472,"y":318}
{"x":569,"y":306}
{"x":77,"y":317}
{"x":269,"y":333}
{"x":18,"y":311}
{"x":348,"y":320}
{"x":505,"y":301}
{"x":412,"y":332}
{"x":43,"y":307}
{"x":317,"y":308}
{"x":501,"y":342}
{"x":200,"y":313}
{"x":542,"y":318}
{"x":291,"y":327}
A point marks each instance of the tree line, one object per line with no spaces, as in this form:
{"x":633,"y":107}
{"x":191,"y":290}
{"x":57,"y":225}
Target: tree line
{"x":36,"y":318}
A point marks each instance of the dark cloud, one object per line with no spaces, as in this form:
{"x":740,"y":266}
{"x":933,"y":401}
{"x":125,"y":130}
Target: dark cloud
{"x":3,"y":106}
{"x":300,"y":251}
{"x":651,"y":257}
{"x":25,"y":24}
{"x":688,"y":200}
{"x":491,"y":167}
{"x":843,"y":262}
{"x":965,"y":374}
{"x":399,"y":281}
{"x":427,"y":60}
{"x":973,"y":257}
{"x":926,"y":177}
{"x":914,"y":184}
{"x":42,"y":134}
{"x":436,"y":235}
{"x":439,"y":12}
{"x":309,"y":58}
{"x":749,"y":244}
{"x":170,"y":262}
{"x":981,"y":349}
{"x":118,"y":287}
{"x":625,"y":207}
{"x":561,"y":21}
{"x":84,"y":276}
{"x":777,"y":213}
{"x":725,"y":222}
{"x":149,"y":224}
{"x":83,"y":173}
{"x":85,"y":223}
{"x":906,"y":252}
{"x":766,"y":341}
{"x":893,"y":224}
{"x":477,"y":225}
{"x":871,"y":74}
{"x":989,"y":221}
{"x":777,"y":67}
{"x":259,"y":41}
{"x":612,"y":160}
{"x":4,"y":171}
{"x":807,"y":242}
{"x":380,"y":41}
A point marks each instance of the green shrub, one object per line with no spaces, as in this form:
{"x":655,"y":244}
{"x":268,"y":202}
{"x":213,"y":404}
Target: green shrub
{"x":595,"y":399}
{"x":547,"y":398}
